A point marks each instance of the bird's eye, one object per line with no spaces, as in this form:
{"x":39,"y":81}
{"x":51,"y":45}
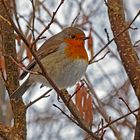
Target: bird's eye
{"x":73,"y":36}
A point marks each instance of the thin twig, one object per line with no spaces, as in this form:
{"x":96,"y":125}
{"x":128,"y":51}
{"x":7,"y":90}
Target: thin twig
{"x":112,"y":122}
{"x":75,"y":19}
{"x":16,"y":16}
{"x":125,"y":29}
{"x":76,"y":91}
{"x":19,"y":65}
{"x":44,"y":72}
{"x":42,"y":96}
{"x":66,"y":114}
{"x":103,"y":134}
{"x":49,"y":13}
{"x":137,"y":44}
{"x":48,"y":26}
{"x":106,"y":3}
{"x":33,"y":20}
{"x":128,"y":106}
{"x":99,"y":105}
{"x":107,"y":34}
{"x":100,"y":58}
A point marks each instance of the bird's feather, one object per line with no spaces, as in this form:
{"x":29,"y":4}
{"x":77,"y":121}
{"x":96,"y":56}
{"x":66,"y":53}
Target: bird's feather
{"x":47,"y":48}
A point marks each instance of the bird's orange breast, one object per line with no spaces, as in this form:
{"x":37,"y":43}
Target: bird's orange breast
{"x":75,"y":49}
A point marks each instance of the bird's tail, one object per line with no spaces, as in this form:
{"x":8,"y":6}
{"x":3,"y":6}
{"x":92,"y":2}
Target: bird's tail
{"x":20,"y":90}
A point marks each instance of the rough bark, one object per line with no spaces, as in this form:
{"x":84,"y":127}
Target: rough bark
{"x":18,"y":131}
{"x":125,"y":49}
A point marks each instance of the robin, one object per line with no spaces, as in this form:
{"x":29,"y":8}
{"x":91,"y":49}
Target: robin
{"x":64,"y":58}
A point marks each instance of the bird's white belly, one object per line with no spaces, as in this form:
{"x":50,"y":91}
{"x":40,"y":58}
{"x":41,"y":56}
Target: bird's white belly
{"x":64,"y":72}
{"x":71,"y":73}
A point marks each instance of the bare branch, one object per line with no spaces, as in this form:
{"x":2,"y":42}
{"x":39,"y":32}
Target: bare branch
{"x":66,"y":114}
{"x":128,"y":106}
{"x":112,"y":122}
{"x":120,"y":33}
{"x":100,"y":58}
{"x":48,"y":26}
{"x":39,"y":98}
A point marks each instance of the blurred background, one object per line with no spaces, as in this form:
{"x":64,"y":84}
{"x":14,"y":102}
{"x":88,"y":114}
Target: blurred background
{"x":108,"y":84}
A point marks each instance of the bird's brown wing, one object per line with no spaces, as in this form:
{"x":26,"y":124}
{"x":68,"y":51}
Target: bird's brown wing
{"x":49,"y":46}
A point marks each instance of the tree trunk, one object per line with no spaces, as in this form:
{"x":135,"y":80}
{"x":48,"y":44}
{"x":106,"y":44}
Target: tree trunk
{"x":126,"y":50}
{"x":18,"y":131}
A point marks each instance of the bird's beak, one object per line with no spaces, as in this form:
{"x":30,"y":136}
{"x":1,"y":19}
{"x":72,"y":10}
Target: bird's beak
{"x":85,"y":38}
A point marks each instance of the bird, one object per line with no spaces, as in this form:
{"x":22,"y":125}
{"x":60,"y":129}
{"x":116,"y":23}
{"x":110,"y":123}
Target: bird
{"x":63,"y":56}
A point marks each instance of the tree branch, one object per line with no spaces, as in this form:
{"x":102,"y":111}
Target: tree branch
{"x":125,"y":48}
{"x":12,"y":73}
{"x":63,"y":94}
{"x":119,"y":33}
